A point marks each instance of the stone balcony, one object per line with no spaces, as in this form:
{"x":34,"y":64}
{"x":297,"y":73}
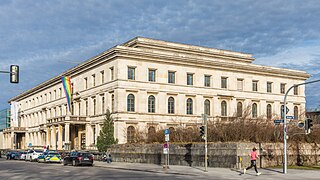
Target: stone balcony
{"x":67,"y":119}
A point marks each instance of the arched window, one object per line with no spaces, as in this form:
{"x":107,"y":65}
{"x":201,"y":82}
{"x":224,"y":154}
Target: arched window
{"x":171,"y":130}
{"x":223,"y":108}
{"x":130,"y":103}
{"x":282,"y":111}
{"x":296,"y":112}
{"x":151,"y":104}
{"x":189,"y":106}
{"x":112,"y":103}
{"x":151,"y":134}
{"x":131,"y":134}
{"x":254,"y":110}
{"x":269,"y":111}
{"x":207,"y":107}
{"x":170,"y":105}
{"x":239,"y":109}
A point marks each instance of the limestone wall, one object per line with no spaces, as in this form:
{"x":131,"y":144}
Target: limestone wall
{"x":228,"y":155}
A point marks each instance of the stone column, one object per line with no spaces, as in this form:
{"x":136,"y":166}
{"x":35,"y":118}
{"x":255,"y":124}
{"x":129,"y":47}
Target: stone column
{"x":53,"y":137}
{"x":67,"y":132}
{"x":60,"y":136}
{"x":88,"y":134}
{"x":48,"y":141}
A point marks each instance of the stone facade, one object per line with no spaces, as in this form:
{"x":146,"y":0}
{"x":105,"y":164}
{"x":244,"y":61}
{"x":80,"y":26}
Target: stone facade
{"x":149,"y":83}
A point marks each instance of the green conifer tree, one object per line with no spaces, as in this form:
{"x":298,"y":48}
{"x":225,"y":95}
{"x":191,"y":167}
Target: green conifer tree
{"x":106,"y":136}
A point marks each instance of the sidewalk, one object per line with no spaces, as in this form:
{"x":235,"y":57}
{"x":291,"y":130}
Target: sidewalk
{"x":216,"y":173}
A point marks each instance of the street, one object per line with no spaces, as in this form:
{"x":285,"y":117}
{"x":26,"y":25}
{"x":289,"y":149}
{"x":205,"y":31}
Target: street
{"x":13,"y":169}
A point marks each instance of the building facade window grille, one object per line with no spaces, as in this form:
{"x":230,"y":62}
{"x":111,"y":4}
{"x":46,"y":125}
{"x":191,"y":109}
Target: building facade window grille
{"x":239,"y":109}
{"x":207,"y":107}
{"x":223,"y":108}
{"x":171,"y":105}
{"x":171,"y":77}
{"x":254,"y":110}
{"x":152,"y":75}
{"x":151,"y":104}
{"x":189,"y":79}
{"x":131,"y":73}
{"x":130,"y":103}
{"x":189,"y":106}
{"x":224,"y":82}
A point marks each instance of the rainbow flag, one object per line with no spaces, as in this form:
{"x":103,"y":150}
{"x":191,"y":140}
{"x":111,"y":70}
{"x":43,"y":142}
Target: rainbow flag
{"x":67,"y":89}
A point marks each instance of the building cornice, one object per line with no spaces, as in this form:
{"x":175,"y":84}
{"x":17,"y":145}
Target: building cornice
{"x":140,"y":54}
{"x":160,"y":45}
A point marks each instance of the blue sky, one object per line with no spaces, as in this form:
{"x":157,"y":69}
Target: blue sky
{"x":46,"y":37}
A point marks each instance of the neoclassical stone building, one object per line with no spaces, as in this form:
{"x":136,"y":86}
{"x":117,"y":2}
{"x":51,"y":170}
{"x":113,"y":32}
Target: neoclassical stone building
{"x":150,"y":84}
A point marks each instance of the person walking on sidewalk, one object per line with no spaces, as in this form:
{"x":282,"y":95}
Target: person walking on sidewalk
{"x":253,"y":157}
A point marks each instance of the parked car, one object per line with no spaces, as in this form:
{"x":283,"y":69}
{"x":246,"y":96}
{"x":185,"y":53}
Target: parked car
{"x":23,"y":155}
{"x":78,"y":158}
{"x":11,"y":155}
{"x":33,"y":155}
{"x":51,"y":156}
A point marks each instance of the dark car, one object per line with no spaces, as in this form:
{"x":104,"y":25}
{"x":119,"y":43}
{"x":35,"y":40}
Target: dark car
{"x":78,"y":158}
{"x":11,"y":155}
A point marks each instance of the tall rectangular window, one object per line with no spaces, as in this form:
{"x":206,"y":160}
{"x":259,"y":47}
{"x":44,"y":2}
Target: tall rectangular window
{"x":240,"y":84}
{"x":269,"y":87}
{"x":131,"y":73}
{"x":282,"y":88}
{"x":111,"y":73}
{"x":254,"y":85}
{"x":102,"y":76}
{"x":152,"y":75}
{"x":93,"y":80}
{"x":207,"y":79}
{"x":295,"y":90}
{"x":224,"y":82}
{"x":171,"y":77}
{"x":85,"y":83}
{"x":189,"y":79}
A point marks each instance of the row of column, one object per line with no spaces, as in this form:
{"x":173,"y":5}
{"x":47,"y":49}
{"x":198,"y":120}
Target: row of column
{"x":55,"y":134}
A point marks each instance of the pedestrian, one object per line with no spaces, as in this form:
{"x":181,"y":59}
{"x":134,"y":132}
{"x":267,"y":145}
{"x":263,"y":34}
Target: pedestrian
{"x":253,"y":157}
{"x":108,"y":156}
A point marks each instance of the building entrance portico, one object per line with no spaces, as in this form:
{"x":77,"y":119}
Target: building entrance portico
{"x":66,"y":132}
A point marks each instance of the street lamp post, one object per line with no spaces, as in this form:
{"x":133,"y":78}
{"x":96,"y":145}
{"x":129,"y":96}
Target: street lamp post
{"x":285,"y":165}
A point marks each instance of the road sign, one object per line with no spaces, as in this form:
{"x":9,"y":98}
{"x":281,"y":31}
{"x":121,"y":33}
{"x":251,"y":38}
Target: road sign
{"x":290,"y":117}
{"x":278,"y":121}
{"x":166,"y":131}
{"x":166,"y":137}
{"x":165,"y":145}
{"x":287,"y":110}
{"x":165,"y":150}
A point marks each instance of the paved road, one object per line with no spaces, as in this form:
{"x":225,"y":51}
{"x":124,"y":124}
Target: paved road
{"x":12,"y":169}
{"x":26,"y":170}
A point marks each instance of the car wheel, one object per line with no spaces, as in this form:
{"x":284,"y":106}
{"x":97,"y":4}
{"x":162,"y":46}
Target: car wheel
{"x":74,"y":163}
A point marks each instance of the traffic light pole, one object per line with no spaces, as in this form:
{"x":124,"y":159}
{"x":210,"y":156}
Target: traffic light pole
{"x":205,"y":119}
{"x":285,"y":129}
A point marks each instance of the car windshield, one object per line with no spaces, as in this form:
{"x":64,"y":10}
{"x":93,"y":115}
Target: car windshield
{"x":84,"y":154}
{"x":38,"y":151}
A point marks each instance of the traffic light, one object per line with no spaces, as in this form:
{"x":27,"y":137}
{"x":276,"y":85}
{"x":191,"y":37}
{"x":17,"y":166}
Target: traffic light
{"x":14,"y":74}
{"x":202,"y":131}
{"x":308,"y":125}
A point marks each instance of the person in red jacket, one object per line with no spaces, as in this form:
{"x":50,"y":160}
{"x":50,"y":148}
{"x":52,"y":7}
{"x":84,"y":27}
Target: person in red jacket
{"x":253,"y":157}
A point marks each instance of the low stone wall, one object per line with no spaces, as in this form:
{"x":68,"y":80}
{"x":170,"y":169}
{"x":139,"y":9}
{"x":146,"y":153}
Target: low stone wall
{"x":227,"y":155}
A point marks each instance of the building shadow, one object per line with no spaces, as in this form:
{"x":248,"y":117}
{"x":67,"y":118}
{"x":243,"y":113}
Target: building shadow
{"x":188,"y":155}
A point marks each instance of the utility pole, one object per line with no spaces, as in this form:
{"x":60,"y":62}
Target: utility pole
{"x":285,"y":129}
{"x":205,"y":137}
